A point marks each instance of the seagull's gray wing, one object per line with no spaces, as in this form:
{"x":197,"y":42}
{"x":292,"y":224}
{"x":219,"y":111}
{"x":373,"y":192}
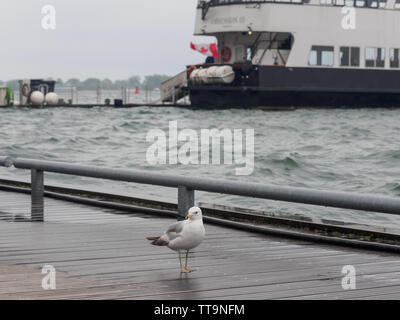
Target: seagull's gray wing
{"x":175,"y":229}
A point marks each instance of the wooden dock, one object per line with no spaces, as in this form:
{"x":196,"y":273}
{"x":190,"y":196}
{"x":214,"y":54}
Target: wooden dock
{"x":102,"y":254}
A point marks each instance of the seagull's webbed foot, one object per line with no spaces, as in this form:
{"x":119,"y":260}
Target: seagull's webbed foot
{"x":185,"y":270}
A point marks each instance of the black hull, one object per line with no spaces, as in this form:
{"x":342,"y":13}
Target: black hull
{"x":304,"y":87}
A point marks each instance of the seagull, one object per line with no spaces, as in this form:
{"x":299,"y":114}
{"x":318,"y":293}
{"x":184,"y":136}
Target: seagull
{"x":184,"y":235}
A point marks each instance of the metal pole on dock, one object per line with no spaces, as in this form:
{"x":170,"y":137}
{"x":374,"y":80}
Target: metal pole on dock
{"x":37,"y":195}
{"x":74,"y":95}
{"x":6,"y":162}
{"x":98,"y":95}
{"x":185,"y":201}
{"x":124,"y":95}
{"x":147,"y":95}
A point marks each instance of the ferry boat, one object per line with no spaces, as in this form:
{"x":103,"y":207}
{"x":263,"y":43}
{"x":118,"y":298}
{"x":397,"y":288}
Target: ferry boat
{"x":283,"y":53}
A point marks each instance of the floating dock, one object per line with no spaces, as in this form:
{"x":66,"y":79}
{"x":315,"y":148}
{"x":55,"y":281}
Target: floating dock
{"x":94,"y":105}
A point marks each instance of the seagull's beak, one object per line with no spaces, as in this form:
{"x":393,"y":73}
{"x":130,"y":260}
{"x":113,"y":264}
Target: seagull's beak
{"x":189,"y":216}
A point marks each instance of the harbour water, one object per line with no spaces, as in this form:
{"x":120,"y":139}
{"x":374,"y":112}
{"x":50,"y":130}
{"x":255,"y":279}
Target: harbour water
{"x":355,"y":150}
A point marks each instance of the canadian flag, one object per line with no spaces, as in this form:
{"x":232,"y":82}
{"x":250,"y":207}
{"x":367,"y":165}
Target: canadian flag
{"x":206,"y":49}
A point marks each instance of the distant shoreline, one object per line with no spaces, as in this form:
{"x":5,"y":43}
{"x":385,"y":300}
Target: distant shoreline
{"x":147,"y":83}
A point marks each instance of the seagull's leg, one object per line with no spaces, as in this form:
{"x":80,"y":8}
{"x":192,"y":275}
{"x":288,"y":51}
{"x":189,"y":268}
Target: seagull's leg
{"x":180,"y":261}
{"x":186,"y":264}
{"x":187,"y":256}
{"x":183,"y":270}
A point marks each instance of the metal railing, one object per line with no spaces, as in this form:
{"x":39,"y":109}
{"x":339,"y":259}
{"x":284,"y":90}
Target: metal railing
{"x":6,"y":162}
{"x":187,"y":185}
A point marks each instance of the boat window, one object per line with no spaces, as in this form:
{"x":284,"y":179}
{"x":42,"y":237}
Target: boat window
{"x":313,"y":58}
{"x":375,"y":57}
{"x":240,"y":54}
{"x":397,"y":4}
{"x":326,"y":2}
{"x":321,"y":56}
{"x":249,"y":54}
{"x":344,"y":56}
{"x":355,"y":56}
{"x":349,"y":56}
{"x":358,"y":3}
{"x":395,"y":58}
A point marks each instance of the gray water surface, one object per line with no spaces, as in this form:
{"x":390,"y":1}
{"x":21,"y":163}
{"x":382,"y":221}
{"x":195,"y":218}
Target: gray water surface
{"x":355,"y":150}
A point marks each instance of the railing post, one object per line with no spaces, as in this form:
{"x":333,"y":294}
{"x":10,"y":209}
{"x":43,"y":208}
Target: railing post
{"x":37,"y":194}
{"x":185,"y":201}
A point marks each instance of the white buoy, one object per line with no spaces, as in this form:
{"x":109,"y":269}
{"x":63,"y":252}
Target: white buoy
{"x":212,"y":75}
{"x":225,"y":74}
{"x":194,"y":76}
{"x":203,"y":75}
{"x":37,"y":98}
{"x":52,"y":98}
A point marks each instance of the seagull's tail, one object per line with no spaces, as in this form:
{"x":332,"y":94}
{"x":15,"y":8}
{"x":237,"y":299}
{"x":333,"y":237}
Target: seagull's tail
{"x":158,"y":241}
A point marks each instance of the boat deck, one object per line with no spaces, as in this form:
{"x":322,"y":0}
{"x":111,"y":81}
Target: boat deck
{"x":102,"y":254}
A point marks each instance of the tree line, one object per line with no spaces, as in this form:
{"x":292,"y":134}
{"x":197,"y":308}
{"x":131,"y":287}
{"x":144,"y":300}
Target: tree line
{"x":149,"y":82}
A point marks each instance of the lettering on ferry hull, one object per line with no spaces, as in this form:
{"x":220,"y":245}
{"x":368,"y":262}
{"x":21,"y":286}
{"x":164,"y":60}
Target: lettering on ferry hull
{"x":228,"y":20}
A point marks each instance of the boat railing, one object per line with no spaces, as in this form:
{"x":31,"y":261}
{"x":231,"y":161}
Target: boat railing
{"x":374,"y":4}
{"x":187,"y":185}
{"x":205,"y":5}
{"x":211,"y":3}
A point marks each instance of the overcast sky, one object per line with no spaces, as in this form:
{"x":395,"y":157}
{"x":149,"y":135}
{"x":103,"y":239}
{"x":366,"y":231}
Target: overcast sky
{"x":97,"y":38}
